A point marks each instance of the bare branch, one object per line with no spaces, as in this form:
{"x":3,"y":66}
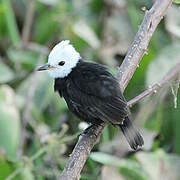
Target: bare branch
{"x":173,"y":73}
{"x":80,"y":153}
{"x":28,"y":21}
{"x":141,"y":41}
{"x":85,"y":143}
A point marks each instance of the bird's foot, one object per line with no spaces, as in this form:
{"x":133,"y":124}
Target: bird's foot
{"x":91,"y":130}
{"x":85,"y":131}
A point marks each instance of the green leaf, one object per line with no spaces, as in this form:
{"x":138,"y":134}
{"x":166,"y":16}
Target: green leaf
{"x":11,"y":22}
{"x":42,"y":90}
{"x":5,"y":168}
{"x":173,"y":21}
{"x":25,"y":58}
{"x":123,"y":164}
{"x":83,"y":30}
{"x":3,"y":29}
{"x":135,"y":16}
{"x":6,"y":73}
{"x":167,"y":58}
{"x":176,"y":1}
{"x":49,"y":2}
{"x":105,"y":135}
{"x":111,"y":160}
{"x":9,"y":122}
{"x":27,"y":174}
{"x":45,"y":19}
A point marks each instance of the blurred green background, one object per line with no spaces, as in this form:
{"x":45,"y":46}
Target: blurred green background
{"x":37,"y":132}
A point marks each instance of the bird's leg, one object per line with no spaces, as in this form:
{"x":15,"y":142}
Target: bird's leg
{"x":85,"y":131}
{"x":91,"y":128}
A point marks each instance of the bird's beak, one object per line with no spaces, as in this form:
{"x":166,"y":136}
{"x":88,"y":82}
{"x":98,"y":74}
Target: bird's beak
{"x":44,"y":67}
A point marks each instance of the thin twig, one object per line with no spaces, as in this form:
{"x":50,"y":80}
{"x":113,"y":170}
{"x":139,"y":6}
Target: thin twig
{"x":85,"y":143}
{"x":173,"y":73}
{"x":28,"y":21}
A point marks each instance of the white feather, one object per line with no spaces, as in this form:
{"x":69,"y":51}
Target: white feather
{"x":63,"y":51}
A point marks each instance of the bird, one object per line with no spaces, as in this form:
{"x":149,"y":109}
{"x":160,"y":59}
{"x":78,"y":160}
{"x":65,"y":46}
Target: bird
{"x":90,"y":91}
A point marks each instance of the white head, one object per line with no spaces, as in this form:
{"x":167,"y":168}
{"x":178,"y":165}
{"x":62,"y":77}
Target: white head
{"x":62,"y":58}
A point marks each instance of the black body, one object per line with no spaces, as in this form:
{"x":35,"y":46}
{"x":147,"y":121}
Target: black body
{"x":93,"y":94}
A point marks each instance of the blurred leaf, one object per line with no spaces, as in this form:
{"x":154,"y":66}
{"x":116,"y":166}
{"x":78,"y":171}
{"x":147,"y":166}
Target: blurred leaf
{"x":166,"y":59}
{"x":173,"y":24}
{"x":3,"y":30}
{"x":43,"y":90}
{"x":135,"y":16}
{"x":24,"y":57}
{"x":11,"y":22}
{"x":43,"y":93}
{"x":27,"y":174}
{"x":9,"y":122}
{"x":49,"y":2}
{"x":60,"y":104}
{"x":167,"y":130}
{"x":105,"y":135}
{"x":138,"y":80}
{"x":96,"y":6}
{"x":6,"y":73}
{"x":83,"y":30}
{"x":160,"y":165}
{"x":176,"y":1}
{"x":109,"y":159}
{"x":123,"y":164}
{"x":156,"y":114}
{"x":5,"y":168}
{"x":45,"y":19}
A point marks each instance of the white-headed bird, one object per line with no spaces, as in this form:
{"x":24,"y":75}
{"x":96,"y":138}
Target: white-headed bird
{"x":91,"y":92}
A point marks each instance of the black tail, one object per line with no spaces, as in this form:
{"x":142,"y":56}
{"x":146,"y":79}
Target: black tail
{"x":132,"y":135}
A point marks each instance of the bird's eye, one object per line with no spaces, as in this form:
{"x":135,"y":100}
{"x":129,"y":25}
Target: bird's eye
{"x":61,"y":63}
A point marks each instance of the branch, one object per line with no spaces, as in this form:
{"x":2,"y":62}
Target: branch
{"x":141,"y":41}
{"x":28,"y":21}
{"x":173,"y":73}
{"x":86,"y":142}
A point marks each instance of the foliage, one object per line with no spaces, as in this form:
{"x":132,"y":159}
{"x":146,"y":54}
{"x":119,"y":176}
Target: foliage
{"x":176,"y":1}
{"x":102,"y":31}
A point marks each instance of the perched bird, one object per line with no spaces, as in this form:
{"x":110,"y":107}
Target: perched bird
{"x":91,"y":92}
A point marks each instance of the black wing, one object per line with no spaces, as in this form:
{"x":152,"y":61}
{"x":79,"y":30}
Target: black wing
{"x":96,"y":90}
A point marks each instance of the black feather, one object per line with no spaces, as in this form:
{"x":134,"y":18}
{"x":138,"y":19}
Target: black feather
{"x":93,"y":94}
{"x":132,"y":135}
